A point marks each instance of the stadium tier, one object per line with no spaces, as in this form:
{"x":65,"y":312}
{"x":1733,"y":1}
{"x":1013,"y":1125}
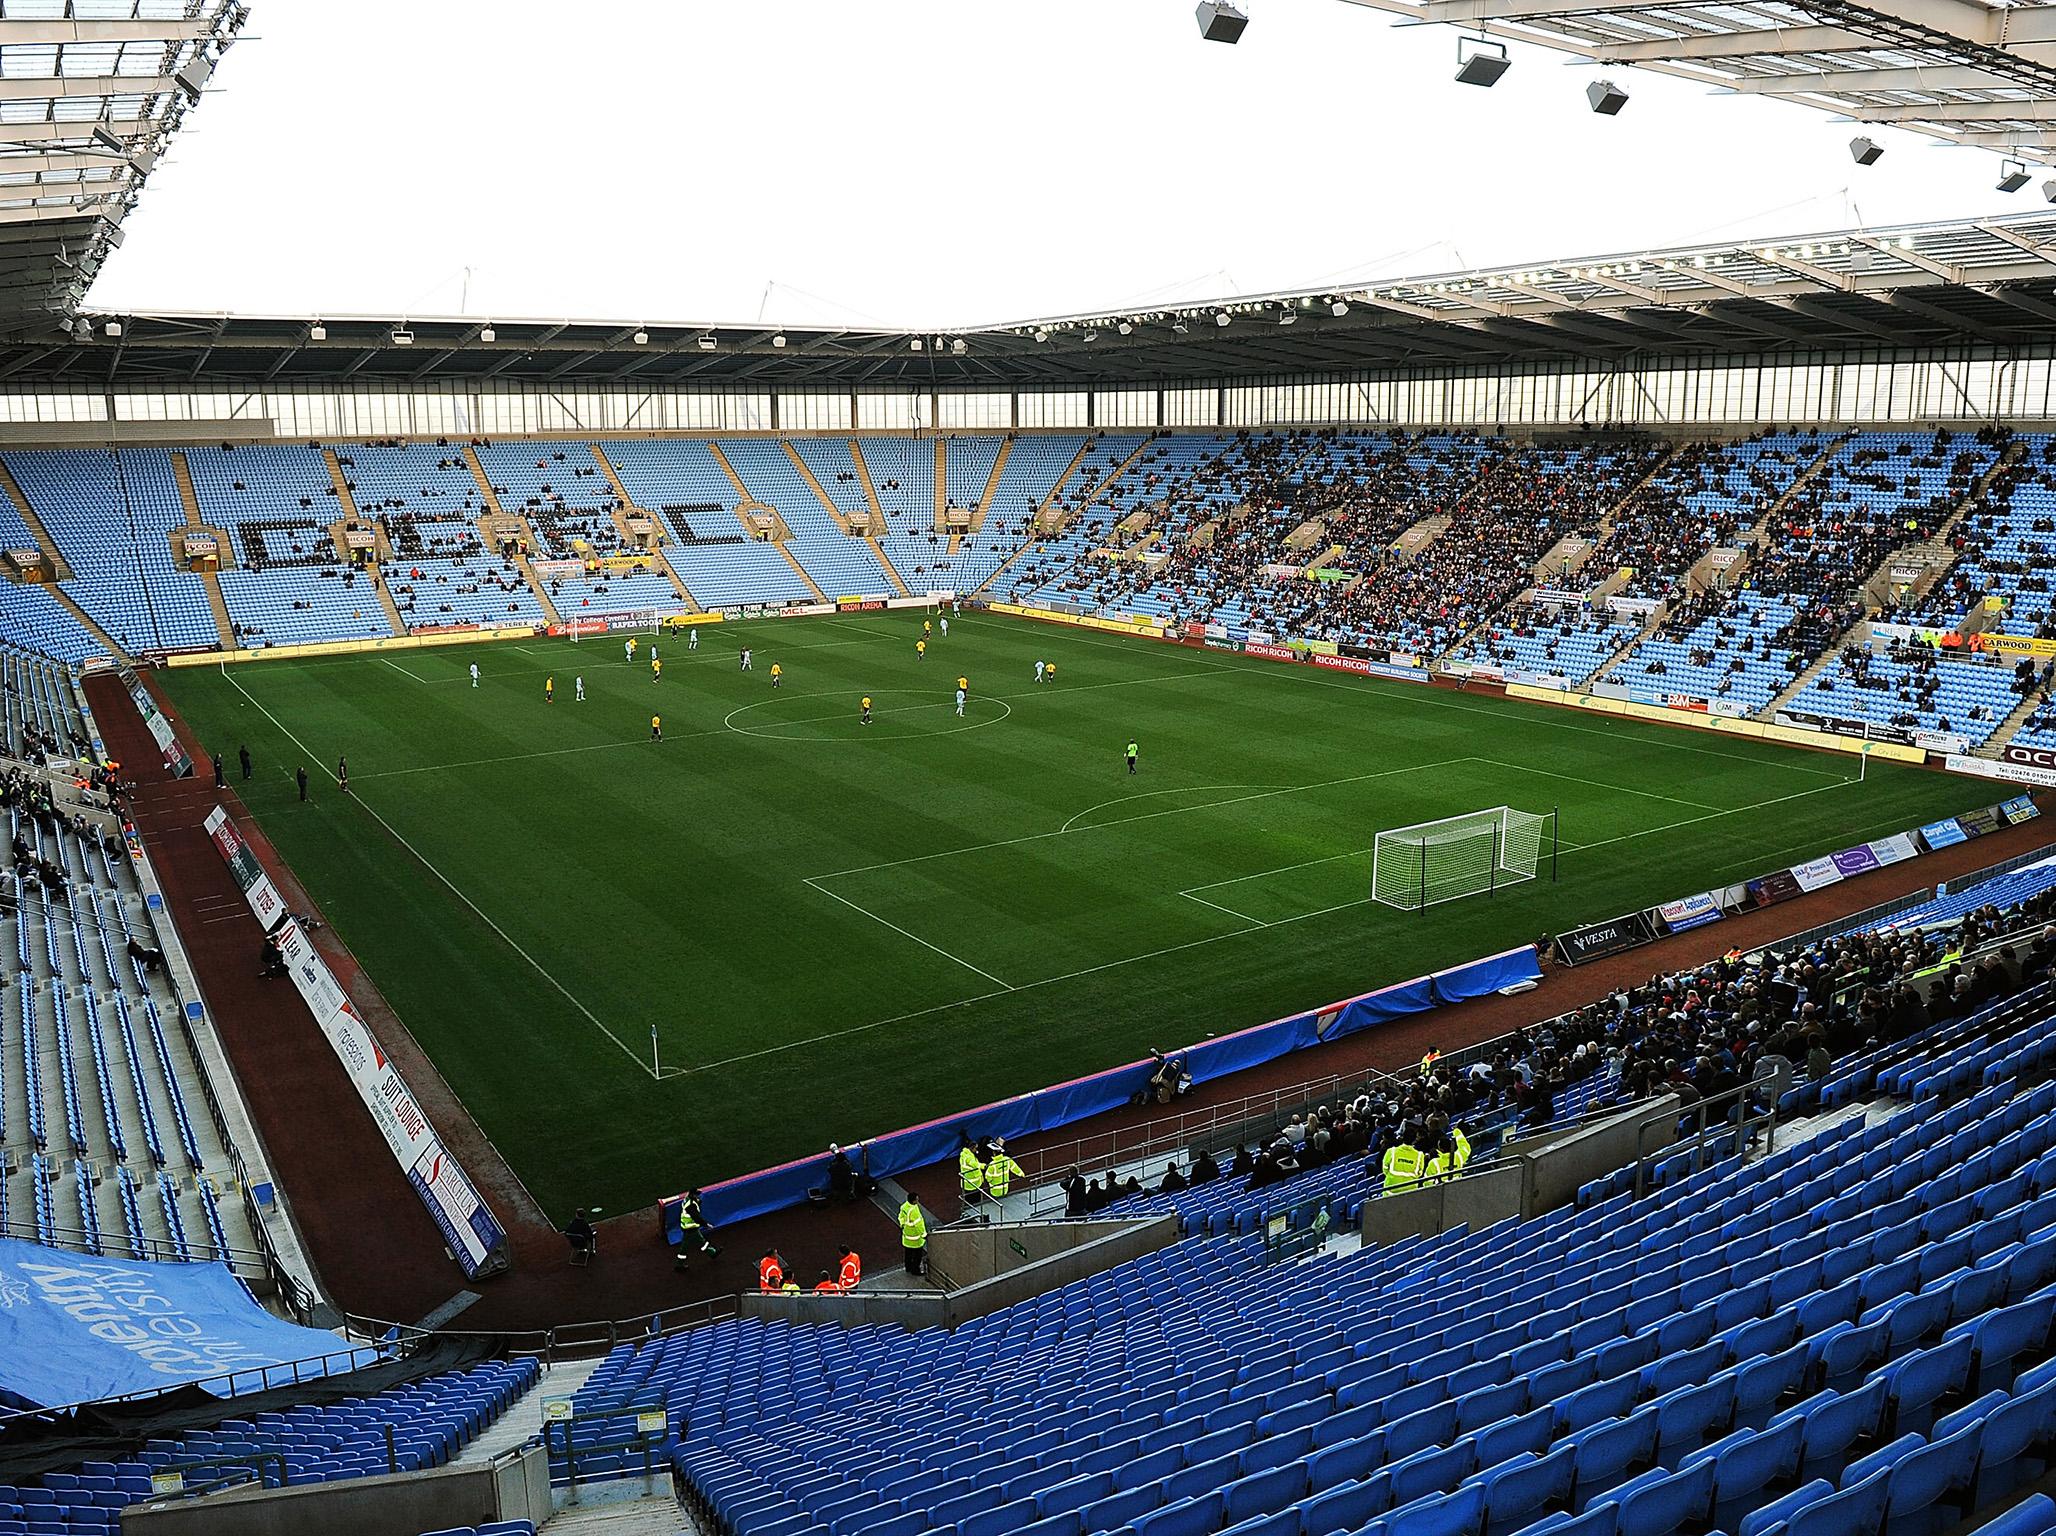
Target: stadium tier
{"x":1848,"y":1333}
{"x":1787,"y":574}
{"x":113,"y":1146}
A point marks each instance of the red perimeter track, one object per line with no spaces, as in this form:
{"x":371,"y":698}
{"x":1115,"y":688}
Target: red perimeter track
{"x":379,"y":1255}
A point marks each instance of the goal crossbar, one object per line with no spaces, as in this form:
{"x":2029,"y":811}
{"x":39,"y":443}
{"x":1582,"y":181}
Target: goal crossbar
{"x":1470,"y":854}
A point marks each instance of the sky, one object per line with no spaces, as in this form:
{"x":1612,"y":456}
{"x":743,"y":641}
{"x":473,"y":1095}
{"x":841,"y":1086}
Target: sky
{"x":936,"y":163}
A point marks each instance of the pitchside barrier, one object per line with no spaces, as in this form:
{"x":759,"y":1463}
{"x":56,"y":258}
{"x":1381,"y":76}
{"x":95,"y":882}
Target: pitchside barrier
{"x":776,"y":1189}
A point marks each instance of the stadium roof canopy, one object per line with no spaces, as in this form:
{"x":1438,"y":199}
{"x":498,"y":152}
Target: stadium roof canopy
{"x":91,"y":92}
{"x":1982,"y":285}
{"x":1959,"y":70}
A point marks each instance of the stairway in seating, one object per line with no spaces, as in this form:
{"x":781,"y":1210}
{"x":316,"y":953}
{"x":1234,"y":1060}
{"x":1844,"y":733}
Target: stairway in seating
{"x":348,"y":503}
{"x":621,"y":515}
{"x":983,"y":506}
{"x":493,"y":509}
{"x":806,"y":473}
{"x":523,"y":1420}
{"x":189,"y":499}
{"x":52,"y":555}
{"x":1994,"y":745}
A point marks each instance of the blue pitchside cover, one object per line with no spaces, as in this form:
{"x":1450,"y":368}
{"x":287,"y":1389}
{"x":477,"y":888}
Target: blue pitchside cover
{"x":74,"y":1329}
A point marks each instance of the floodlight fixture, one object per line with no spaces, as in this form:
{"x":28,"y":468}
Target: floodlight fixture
{"x":1041,"y":334}
{"x":1606,"y":98}
{"x":106,"y":138}
{"x":1865,"y":151}
{"x":1288,"y":316}
{"x":1483,"y":64}
{"x":642,"y":338}
{"x":193,"y":76}
{"x":317,"y":332}
{"x":112,"y":327}
{"x":1220,"y":22}
{"x":1179,"y":327}
{"x":2049,"y":191}
{"x":957,"y":346}
{"x":778,"y":340}
{"x":1339,"y":308}
{"x":487,"y":333}
{"x":402,"y":337}
{"x":1222,"y":317}
{"x":2012,"y":176}
{"x":1125,"y":328}
{"x":913,"y":343}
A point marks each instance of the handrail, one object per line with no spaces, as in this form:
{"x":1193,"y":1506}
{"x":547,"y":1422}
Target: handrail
{"x":356,"y":1356}
{"x":1991,"y":872}
{"x":565,"y":1340}
{"x":158,"y":1250}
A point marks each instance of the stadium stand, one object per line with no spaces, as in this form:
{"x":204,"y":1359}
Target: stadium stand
{"x":98,"y":1083}
{"x":86,"y":498}
{"x":428,"y":1421}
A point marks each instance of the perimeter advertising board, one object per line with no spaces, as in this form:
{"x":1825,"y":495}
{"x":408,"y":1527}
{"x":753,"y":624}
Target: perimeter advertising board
{"x":468,"y":1227}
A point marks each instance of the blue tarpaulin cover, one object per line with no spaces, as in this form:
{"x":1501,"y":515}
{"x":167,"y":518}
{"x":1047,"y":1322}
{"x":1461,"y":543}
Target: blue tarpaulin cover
{"x":74,"y":1329}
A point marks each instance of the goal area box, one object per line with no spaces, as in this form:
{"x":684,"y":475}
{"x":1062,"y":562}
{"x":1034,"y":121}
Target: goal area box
{"x":1473,"y":854}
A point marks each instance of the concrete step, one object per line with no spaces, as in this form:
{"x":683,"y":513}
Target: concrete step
{"x":655,"y":1515}
{"x":523,"y":1420}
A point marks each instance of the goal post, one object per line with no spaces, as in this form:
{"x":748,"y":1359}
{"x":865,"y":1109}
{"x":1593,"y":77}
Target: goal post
{"x":1472,"y":854}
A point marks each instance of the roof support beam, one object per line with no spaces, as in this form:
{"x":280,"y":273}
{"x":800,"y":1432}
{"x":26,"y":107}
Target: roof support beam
{"x":1735,"y":45}
{"x":1960,"y":112}
{"x":21,"y":34}
{"x":47,"y":89}
{"x":1860,"y":82}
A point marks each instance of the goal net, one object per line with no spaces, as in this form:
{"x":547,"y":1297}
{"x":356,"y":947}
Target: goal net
{"x":1468,"y":855}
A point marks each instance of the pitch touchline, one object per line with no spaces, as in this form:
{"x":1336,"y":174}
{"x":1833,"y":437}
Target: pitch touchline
{"x":1155,"y":954}
{"x":448,"y":883}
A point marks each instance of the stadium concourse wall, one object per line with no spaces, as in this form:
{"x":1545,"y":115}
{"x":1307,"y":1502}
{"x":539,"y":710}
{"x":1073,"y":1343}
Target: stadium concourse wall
{"x":1048,"y":1109}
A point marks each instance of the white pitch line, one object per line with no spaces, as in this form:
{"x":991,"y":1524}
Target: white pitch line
{"x":452,"y":887}
{"x":895,"y":927}
{"x":1619,"y":789}
{"x":1281,"y":869}
{"x":1156,"y":954}
{"x":1244,"y":916}
{"x":1178,"y":810}
{"x":1193,"y":789}
{"x":417,"y":677}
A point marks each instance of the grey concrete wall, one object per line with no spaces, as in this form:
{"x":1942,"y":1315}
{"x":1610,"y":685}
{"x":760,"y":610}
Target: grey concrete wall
{"x":1536,"y":1174}
{"x":1126,"y":1240}
{"x":1057,"y":1253}
{"x":506,"y":1489}
{"x":961,"y":1256}
{"x":909,"y":1309}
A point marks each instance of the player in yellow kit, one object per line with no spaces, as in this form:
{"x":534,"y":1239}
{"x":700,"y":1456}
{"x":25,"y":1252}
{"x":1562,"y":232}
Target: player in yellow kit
{"x":921,"y":649}
{"x":656,"y":670}
{"x":550,"y":690}
{"x":777,"y":674}
{"x":864,"y":710}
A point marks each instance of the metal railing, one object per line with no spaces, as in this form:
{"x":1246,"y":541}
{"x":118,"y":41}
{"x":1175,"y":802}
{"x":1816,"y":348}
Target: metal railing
{"x":566,"y":1341}
{"x":1991,"y":872}
{"x":244,"y":1263}
{"x":1743,"y":1110}
{"x":228,"y":1384}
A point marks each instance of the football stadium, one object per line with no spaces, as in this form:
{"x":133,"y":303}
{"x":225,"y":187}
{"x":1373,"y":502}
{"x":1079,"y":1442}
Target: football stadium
{"x":1354,"y":895}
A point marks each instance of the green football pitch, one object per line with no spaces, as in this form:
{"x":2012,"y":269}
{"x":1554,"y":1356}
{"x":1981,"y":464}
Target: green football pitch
{"x":837,"y":929}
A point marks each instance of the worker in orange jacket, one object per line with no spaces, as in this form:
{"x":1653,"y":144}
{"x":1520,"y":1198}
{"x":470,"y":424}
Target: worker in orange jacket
{"x":771,"y":1272}
{"x":852,"y":1270}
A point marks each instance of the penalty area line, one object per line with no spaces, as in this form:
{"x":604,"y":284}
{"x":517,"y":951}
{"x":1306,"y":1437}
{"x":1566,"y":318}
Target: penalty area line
{"x":895,"y":927}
